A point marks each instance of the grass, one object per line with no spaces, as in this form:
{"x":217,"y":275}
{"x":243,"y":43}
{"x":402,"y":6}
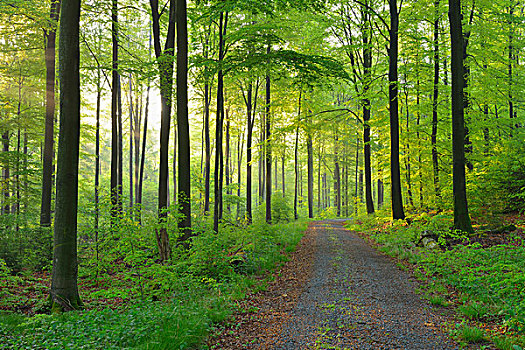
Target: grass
{"x":471,"y":334}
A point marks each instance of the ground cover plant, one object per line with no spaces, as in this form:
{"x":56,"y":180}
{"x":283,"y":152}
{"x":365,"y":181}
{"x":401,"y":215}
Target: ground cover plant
{"x":480,"y":276}
{"x":132,"y":302}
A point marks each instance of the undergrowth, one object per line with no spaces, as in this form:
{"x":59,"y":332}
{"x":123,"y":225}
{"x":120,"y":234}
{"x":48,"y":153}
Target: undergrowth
{"x":485,"y":283}
{"x":135,"y":302}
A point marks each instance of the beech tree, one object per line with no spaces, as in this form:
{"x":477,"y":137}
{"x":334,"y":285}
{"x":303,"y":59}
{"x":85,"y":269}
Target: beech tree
{"x":64,"y":289}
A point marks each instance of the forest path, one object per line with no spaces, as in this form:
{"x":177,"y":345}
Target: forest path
{"x":337,"y":292}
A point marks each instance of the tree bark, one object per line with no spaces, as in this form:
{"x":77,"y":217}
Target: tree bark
{"x":47,"y":166}
{"x":310,"y":180}
{"x":64,"y":289}
{"x":165,"y":62}
{"x":337,"y":176}
{"x":219,"y":165}
{"x":250,"y":116}
{"x":435,"y":96}
{"x":114,"y":114}
{"x":397,"y":198}
{"x":268,"y":149}
{"x":461,"y":215}
{"x":183,"y":128}
{"x":367,"y":78}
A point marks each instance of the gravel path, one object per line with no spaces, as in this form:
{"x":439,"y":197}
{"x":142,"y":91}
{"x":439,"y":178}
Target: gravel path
{"x":350,"y":297}
{"x":358,"y":299}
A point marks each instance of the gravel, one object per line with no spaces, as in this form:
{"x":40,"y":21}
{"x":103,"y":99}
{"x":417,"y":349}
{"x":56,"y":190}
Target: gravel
{"x":358,"y":299}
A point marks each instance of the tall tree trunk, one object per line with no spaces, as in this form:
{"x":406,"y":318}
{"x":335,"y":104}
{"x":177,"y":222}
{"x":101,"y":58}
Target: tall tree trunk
{"x":136,"y":140}
{"x":227,"y":161}
{"x":357,"y":199}
{"x":283,"y":176}
{"x":397,"y":198}
{"x":174,"y":165}
{"x":466,"y":93}
{"x":165,"y":59}
{"x":97,"y":165}
{"x":207,"y":145}
{"x":250,"y":116}
{"x":219,"y":166}
{"x":120,"y":162}
{"x":310,"y":165}
{"x":183,"y":127}
{"x":461,"y":215}
{"x":240,"y":149}
{"x":367,"y":78}
{"x":296,"y":158}
{"x":268,"y":149}
{"x":408,"y":160}
{"x":143,"y":152}
{"x":6,"y":175}
{"x":510,"y":62}
{"x":143,"y":155}
{"x":337,"y":176}
{"x":131,"y":188}
{"x":433,"y":138}
{"x":64,"y":289}
{"x":47,"y":166}
{"x":114,"y":113}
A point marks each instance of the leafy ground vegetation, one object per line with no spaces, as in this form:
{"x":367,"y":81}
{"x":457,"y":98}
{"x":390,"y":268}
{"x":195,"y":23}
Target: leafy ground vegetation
{"x":132,"y":301}
{"x":479,"y":276}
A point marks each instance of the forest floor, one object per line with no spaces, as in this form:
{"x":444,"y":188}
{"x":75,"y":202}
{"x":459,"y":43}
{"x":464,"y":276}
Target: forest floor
{"x":337,"y":292}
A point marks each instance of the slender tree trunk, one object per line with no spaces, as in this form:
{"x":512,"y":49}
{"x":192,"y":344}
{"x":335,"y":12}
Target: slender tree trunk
{"x":397,"y":198}
{"x":120,"y":152}
{"x":143,"y":154}
{"x":408,"y":161}
{"x":219,"y":166}
{"x":114,"y":113}
{"x":227,"y":151}
{"x":268,"y":149}
{"x":240,"y":149}
{"x":131,"y":187}
{"x":47,"y":166}
{"x":174,"y":165}
{"x":367,"y":78}
{"x":296,"y":158}
{"x":435,"y":97}
{"x":97,"y":166}
{"x":509,"y":65}
{"x":250,"y":116}
{"x":6,"y":175}
{"x":337,"y":176}
{"x":283,"y":176}
{"x":310,"y":180}
{"x":165,"y":59}
{"x":207,"y":145}
{"x":183,"y":128}
{"x":357,"y":199}
{"x":64,"y":290}
{"x":461,"y":215}
{"x":136,"y":140}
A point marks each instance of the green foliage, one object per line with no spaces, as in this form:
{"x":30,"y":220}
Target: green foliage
{"x":471,"y":334}
{"x":194,"y":291}
{"x":24,"y":246}
{"x":281,"y":210}
{"x":505,"y":176}
{"x":491,"y":278}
